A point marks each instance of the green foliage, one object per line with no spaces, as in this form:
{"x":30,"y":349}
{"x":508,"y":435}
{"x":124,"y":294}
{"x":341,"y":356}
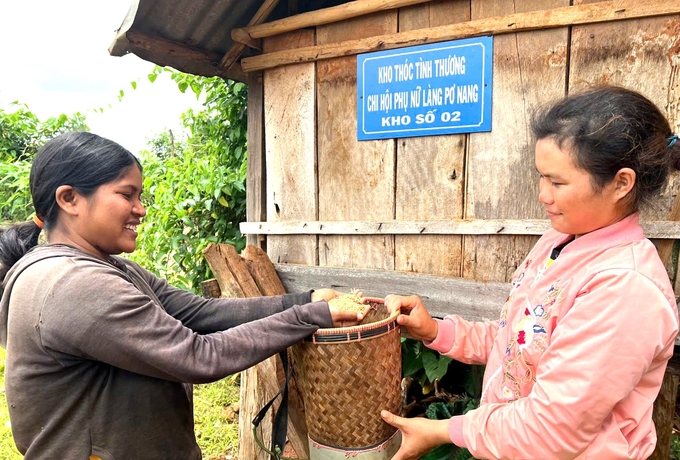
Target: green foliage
{"x":446,"y":410}
{"x":443,"y":411}
{"x":675,"y":446}
{"x":195,"y":188}
{"x":15,"y":197}
{"x":192,"y":201}
{"x":422,"y":364}
{"x":22,"y":133}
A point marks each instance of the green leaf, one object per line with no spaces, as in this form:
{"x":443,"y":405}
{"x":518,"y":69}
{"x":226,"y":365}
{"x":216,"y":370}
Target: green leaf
{"x":152,"y":77}
{"x":134,"y":84}
{"x":435,"y":366}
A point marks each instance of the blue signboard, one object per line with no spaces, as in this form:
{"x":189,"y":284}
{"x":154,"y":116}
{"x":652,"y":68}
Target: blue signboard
{"x":443,"y":88}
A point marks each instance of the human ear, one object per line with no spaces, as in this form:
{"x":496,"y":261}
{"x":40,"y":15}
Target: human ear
{"x":624,"y":182}
{"x":67,"y":199}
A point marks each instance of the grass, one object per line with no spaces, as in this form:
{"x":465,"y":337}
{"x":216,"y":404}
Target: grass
{"x":215,"y":424}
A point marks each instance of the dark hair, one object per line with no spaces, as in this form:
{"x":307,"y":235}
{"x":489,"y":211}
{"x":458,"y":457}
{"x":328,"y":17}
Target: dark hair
{"x":608,"y":128}
{"x":82,"y":160}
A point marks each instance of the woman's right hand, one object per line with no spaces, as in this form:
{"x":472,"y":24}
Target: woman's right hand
{"x":414,"y":316}
{"x":344,"y":318}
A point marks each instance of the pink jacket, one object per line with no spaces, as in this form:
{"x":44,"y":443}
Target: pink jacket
{"x":578,"y":355}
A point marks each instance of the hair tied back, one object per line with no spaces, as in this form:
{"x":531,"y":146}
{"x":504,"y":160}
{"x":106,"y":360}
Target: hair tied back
{"x":672,"y":140}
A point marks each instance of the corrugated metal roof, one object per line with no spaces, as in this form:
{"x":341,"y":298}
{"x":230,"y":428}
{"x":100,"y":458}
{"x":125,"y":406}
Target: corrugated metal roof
{"x":192,"y":35}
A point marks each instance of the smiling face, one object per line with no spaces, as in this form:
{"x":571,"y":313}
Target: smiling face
{"x":572,"y":204}
{"x":106,"y":222}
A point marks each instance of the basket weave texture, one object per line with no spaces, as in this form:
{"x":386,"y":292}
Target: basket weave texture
{"x":346,"y":385}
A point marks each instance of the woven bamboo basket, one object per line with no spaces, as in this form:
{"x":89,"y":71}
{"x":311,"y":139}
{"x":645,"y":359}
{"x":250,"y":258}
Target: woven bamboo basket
{"x":347,"y":376}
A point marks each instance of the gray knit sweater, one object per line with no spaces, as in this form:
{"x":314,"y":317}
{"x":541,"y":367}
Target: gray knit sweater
{"x":98,"y":353}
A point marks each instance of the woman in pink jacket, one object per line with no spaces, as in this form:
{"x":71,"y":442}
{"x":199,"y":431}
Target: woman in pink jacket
{"x":577,"y":357}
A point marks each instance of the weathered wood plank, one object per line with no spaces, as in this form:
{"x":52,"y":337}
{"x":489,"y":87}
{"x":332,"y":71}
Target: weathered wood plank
{"x":653,"y":229}
{"x":291,"y":178}
{"x":255,"y":175}
{"x":547,"y":18}
{"x":401,"y":227}
{"x":190,"y":59}
{"x":291,"y":150}
{"x":337,"y":13}
{"x":501,"y":181}
{"x":430,"y":170}
{"x":442,"y":295}
{"x":355,"y":178}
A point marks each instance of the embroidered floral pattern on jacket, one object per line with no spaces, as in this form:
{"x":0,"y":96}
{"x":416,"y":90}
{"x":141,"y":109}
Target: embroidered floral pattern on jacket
{"x":529,"y":340}
{"x":516,"y":283}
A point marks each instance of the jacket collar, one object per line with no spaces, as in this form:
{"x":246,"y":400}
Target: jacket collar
{"x":626,"y":230}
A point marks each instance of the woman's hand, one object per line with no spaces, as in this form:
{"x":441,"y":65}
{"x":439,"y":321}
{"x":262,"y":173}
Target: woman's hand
{"x":344,"y":318}
{"x":341,"y":318}
{"x":324,"y":294}
{"x":415,"y":318}
{"x":418,"y":435}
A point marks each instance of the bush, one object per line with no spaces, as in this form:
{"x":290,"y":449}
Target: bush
{"x":195,"y":188}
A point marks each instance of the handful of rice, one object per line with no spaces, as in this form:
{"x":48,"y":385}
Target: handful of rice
{"x":348,"y":302}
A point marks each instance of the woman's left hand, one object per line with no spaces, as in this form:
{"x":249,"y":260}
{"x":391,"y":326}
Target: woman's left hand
{"x":418,"y":435}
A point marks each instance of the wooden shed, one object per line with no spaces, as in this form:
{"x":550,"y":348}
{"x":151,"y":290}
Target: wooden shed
{"x":423,"y":215}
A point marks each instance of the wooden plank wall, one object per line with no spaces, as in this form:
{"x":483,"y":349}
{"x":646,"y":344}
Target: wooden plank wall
{"x":636,"y":53}
{"x":430,"y":170}
{"x":316,"y":169}
{"x":290,"y":146}
{"x":356,"y":179}
{"x":529,"y":69}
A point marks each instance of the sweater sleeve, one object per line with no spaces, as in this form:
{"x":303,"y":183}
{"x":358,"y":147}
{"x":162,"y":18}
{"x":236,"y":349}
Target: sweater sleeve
{"x":96,"y":313}
{"x":615,"y":339}
{"x":466,"y":341}
{"x":211,"y":315}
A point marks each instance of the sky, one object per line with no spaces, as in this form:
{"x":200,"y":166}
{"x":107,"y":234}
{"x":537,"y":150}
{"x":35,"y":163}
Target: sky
{"x":54,"y":58}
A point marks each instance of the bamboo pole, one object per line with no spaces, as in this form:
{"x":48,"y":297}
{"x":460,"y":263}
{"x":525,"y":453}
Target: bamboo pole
{"x":612,"y":10}
{"x":319,"y":17}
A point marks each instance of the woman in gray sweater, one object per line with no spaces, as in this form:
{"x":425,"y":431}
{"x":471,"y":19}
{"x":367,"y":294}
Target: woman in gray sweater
{"x":100,"y":352}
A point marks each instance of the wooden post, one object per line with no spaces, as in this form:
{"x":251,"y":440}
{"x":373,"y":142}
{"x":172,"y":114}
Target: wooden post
{"x":337,"y":13}
{"x":256,"y":175}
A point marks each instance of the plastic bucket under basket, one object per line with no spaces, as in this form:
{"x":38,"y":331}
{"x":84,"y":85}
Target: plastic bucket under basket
{"x":346,"y":377}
